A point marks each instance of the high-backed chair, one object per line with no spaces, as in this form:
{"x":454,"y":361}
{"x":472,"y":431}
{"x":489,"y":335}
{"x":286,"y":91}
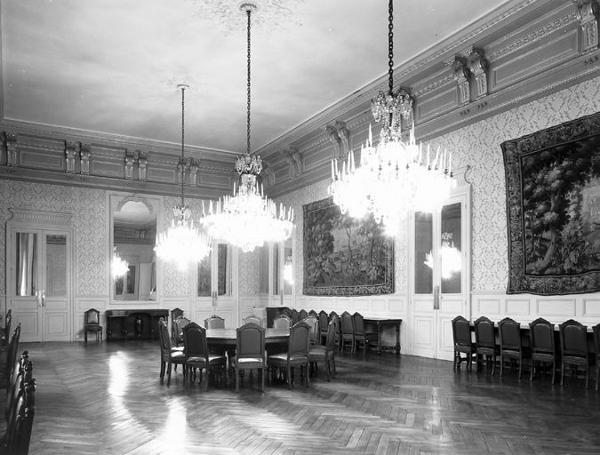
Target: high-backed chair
{"x":294,"y":316}
{"x":11,"y":358}
{"x":214,"y":322}
{"x":360,"y":336}
{"x":542,"y":345}
{"x":313,"y":324}
{"x":252,"y":319}
{"x":91,"y":323}
{"x":168,"y":356}
{"x":250,"y":352}
{"x":302,"y":314}
{"x":177,"y":332}
{"x":323,"y":324}
{"x":325,"y":353}
{"x":347,"y":331}
{"x":333,"y":317}
{"x":313,"y":313}
{"x":282,"y":322}
{"x":511,"y":344}
{"x":197,"y":355}
{"x":20,"y":415}
{"x":176,"y":313}
{"x":5,"y":332}
{"x":461,"y":335}
{"x":485,"y":341}
{"x":596,"y":330}
{"x":297,"y":354}
{"x":574,"y":348}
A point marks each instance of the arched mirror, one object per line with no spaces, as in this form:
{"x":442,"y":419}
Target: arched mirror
{"x":133,"y":261}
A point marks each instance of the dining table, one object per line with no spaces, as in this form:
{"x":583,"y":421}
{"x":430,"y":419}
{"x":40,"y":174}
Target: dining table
{"x":228,"y":337}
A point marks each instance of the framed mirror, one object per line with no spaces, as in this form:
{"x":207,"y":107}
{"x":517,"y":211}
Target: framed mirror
{"x":133,"y":237}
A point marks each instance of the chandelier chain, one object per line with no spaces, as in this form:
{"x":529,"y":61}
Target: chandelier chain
{"x":182,"y":140}
{"x":248,"y":13}
{"x":391,"y":46}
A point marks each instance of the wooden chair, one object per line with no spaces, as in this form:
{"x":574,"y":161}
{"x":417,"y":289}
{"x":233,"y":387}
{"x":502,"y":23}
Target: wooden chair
{"x":360,"y":336}
{"x":197,"y":355}
{"x":596,"y":330}
{"x":313,"y":313}
{"x":542,"y":345}
{"x":5,"y":332}
{"x":333,"y":317}
{"x":20,"y":413}
{"x":323,"y":326}
{"x":168,"y":356}
{"x":11,"y":358}
{"x":302,"y":314}
{"x":91,"y":323}
{"x":282,"y":322}
{"x":294,"y":316}
{"x":177,"y":332}
{"x":325,"y":353}
{"x":485,"y":341}
{"x":511,"y":344}
{"x":252,"y":319}
{"x":214,"y":322}
{"x":574,"y":348}
{"x":297,"y":354}
{"x":250,"y":352}
{"x":347,"y":331}
{"x":176,"y":313}
{"x":461,"y":335}
{"x":313,"y":324}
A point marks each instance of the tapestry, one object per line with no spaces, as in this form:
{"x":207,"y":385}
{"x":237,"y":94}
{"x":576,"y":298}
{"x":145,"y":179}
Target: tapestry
{"x":344,"y":256}
{"x":553,"y":209}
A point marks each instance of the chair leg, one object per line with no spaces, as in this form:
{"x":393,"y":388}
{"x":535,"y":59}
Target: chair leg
{"x":262,"y":379}
{"x":162,"y":371}
{"x":501,"y":364}
{"x":307,"y":375}
{"x":454,"y":364}
{"x":562,"y":373}
{"x":531,"y":370}
{"x":553,"y":371}
{"x":169,"y":374}
{"x":237,"y":379}
{"x":289,"y":374}
{"x":597,"y":373}
{"x":85,"y":335}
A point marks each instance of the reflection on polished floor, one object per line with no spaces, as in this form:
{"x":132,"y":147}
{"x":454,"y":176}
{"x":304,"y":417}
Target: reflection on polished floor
{"x":106,"y":398}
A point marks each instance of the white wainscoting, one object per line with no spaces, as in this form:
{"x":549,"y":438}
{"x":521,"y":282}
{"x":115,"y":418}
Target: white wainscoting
{"x":525,"y":308}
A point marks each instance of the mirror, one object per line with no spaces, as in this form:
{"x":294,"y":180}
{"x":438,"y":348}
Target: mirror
{"x":288,"y":268}
{"x":133,"y":262}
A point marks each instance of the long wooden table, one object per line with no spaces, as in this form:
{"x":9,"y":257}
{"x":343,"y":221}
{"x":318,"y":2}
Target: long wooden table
{"x":228,"y":337}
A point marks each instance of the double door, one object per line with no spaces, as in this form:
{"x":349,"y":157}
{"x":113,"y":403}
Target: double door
{"x":39,"y":282}
{"x":440,"y":275}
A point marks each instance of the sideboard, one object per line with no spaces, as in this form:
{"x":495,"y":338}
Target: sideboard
{"x":133,"y":324}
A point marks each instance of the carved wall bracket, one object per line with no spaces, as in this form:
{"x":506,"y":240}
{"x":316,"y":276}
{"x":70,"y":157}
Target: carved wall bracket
{"x":8,"y":151}
{"x":462,"y":75}
{"x":294,"y":161}
{"x":142,"y":160}
{"x":334,"y":139}
{"x":193,"y":172}
{"x":588,"y":14}
{"x":130,"y":158}
{"x":85,"y":154}
{"x":479,"y":67}
{"x":72,"y":150}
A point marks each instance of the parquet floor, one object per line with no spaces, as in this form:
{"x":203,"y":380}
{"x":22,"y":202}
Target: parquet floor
{"x":106,"y":398}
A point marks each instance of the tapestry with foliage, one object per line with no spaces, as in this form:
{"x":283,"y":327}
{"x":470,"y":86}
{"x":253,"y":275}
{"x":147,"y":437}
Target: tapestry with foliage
{"x":344,"y":256}
{"x":553,"y":209}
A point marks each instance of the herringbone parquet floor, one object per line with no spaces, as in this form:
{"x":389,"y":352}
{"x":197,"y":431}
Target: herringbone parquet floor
{"x":106,"y":398}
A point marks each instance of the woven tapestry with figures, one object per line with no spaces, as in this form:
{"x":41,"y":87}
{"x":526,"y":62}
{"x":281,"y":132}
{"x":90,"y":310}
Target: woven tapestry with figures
{"x":344,"y":256}
{"x":553,"y":209}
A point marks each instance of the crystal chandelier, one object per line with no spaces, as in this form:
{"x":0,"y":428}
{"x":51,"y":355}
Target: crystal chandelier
{"x":119,"y":266}
{"x":450,"y":256}
{"x":182,"y":243}
{"x":396,"y":175}
{"x":248,"y":218}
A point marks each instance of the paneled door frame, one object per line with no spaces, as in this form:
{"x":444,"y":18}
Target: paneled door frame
{"x":42,"y":223}
{"x":431,"y":314}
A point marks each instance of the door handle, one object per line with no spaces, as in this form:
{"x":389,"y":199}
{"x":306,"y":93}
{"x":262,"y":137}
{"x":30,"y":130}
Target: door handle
{"x":43,"y":298}
{"x":436,"y":297}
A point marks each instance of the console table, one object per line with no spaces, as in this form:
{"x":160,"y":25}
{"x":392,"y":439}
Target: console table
{"x":378,"y":323}
{"x":138,"y":324}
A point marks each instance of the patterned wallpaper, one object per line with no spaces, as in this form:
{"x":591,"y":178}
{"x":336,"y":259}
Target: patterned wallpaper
{"x":479,"y":146}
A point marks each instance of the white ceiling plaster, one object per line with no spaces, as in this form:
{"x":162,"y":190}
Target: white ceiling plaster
{"x":112,"y":66}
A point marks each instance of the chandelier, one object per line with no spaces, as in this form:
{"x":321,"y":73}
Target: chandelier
{"x":182,"y":244}
{"x":396,"y":175}
{"x":248,"y":218}
{"x":119,"y":267}
{"x":450,"y":256}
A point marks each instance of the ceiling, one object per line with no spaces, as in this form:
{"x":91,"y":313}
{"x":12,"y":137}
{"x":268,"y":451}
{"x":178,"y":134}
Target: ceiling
{"x":111,"y":66}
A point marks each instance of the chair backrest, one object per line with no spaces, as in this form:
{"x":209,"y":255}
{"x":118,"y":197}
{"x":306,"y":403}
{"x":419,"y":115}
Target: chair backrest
{"x":253,"y":319}
{"x":163,"y":337}
{"x":13,"y":347}
{"x":214,"y":322}
{"x":596,"y":330}
{"x":573,"y":339}
{"x":194,"y":341}
{"x":177,"y":330}
{"x":313,"y":313}
{"x":323,"y":321}
{"x":299,"y":340}
{"x":313,"y":324}
{"x":510,"y":334}
{"x":542,"y":336}
{"x":176,"y":313}
{"x":302,"y":314}
{"x":331,"y":340}
{"x":359,"y":324}
{"x":92,"y":317}
{"x":294,"y":316}
{"x":282,"y":322}
{"x":335,"y":320}
{"x":20,"y":422}
{"x":485,"y":335}
{"x":7,"y":322}
{"x":347,"y":325}
{"x":461,"y":331}
{"x":250,"y":341}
